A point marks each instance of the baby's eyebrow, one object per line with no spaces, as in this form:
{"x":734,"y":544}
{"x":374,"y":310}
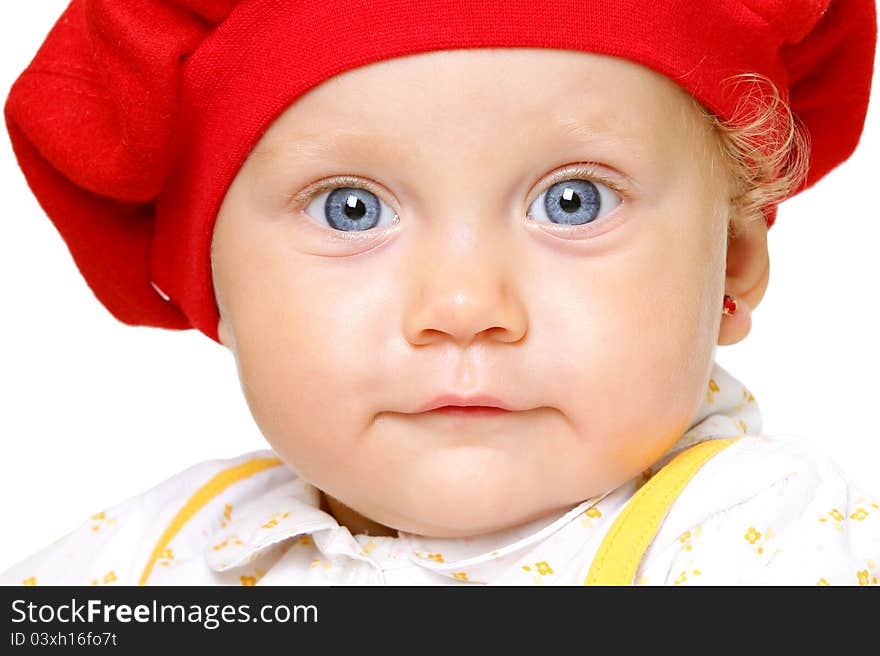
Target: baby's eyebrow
{"x":318,"y":145}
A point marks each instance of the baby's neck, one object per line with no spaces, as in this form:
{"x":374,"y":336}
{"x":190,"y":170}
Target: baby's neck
{"x":352,"y":520}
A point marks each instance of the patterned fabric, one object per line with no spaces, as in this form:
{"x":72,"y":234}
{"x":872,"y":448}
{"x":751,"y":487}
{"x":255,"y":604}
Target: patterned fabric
{"x":765,"y":510}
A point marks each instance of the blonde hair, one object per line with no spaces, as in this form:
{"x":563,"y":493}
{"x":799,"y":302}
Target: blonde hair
{"x":764,"y":149}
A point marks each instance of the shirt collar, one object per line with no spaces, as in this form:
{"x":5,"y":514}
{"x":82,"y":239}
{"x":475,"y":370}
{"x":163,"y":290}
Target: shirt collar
{"x":292,"y":509}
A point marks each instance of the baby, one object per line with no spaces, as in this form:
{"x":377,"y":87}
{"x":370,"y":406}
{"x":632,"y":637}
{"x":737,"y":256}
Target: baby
{"x":444,"y":271}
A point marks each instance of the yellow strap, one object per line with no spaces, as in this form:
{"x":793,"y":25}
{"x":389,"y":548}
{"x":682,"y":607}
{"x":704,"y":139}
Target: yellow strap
{"x":198,"y":500}
{"x":625,"y":543}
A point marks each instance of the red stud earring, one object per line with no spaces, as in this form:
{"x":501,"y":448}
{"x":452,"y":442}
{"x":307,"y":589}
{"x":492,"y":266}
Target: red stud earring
{"x":729,"y":305}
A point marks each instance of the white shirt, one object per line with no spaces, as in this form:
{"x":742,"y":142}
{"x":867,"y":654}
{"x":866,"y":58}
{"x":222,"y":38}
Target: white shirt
{"x":765,"y":510}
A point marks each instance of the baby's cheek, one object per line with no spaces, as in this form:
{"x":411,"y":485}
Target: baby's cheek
{"x":303,"y":362}
{"x":627,"y":375}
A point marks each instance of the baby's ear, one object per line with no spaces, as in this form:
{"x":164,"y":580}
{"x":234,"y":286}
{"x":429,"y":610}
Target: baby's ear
{"x":224,"y":330}
{"x":748,"y":262}
{"x":747,"y":275}
{"x":224,"y":334}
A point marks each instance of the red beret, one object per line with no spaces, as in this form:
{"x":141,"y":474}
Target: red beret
{"x":134,"y":116}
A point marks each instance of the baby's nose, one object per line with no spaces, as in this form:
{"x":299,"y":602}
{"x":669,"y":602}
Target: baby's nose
{"x":464,"y":289}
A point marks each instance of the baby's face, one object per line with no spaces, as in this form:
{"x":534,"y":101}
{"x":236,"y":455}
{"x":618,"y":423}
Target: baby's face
{"x":545,"y":227}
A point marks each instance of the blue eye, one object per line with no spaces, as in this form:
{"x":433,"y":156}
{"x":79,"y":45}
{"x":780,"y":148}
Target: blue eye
{"x":350,"y":209}
{"x":574,"y":202}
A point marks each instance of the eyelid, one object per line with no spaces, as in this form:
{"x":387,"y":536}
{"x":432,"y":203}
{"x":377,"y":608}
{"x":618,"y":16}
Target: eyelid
{"x":587,"y":170}
{"x":301,"y":199}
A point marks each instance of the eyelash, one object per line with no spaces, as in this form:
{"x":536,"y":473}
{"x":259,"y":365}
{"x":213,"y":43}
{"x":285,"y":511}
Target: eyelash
{"x":585,"y":171}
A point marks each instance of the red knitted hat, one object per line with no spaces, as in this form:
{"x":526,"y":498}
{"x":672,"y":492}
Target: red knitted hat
{"x":135,"y":115}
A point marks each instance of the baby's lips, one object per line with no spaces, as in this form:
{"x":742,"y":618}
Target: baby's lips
{"x":447,"y":399}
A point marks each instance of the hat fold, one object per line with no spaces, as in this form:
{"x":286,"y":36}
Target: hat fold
{"x":92,"y":121}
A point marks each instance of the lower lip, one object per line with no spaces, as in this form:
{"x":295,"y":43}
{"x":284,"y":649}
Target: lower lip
{"x":475,"y":411}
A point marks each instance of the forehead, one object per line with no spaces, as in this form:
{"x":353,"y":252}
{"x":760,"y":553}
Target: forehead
{"x":503,"y":93}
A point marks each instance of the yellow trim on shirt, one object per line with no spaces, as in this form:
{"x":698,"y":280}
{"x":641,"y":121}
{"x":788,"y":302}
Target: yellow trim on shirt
{"x":626,"y":541}
{"x":200,"y":499}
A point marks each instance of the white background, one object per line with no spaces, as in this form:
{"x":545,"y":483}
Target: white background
{"x":93,"y":411}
